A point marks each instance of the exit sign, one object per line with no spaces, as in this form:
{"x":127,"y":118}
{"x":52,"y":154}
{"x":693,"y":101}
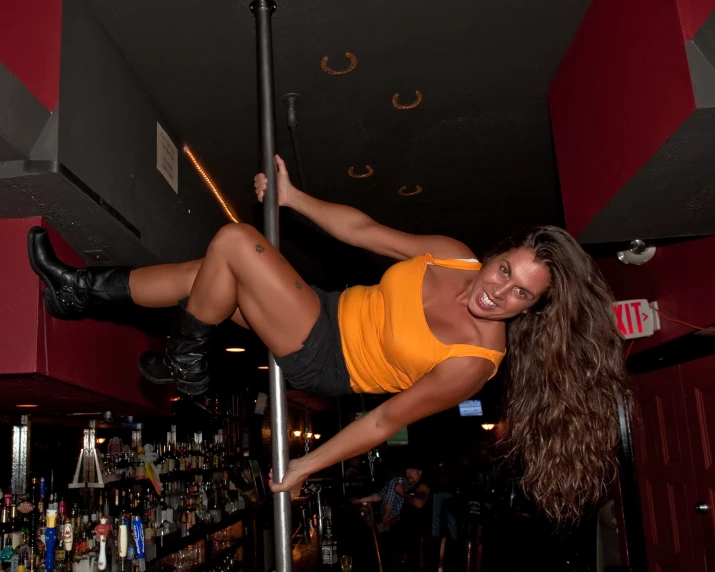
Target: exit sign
{"x":636,"y":318}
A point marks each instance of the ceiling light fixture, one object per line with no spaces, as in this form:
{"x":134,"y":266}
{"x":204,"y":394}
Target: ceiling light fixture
{"x":308,"y":434}
{"x":235,"y":350}
{"x":297,"y":433}
{"x":316,"y":435}
{"x":101,"y":440}
{"x":210,"y":184}
{"x":487,"y":426}
{"x":176,"y":398}
{"x":26,"y":405}
{"x":262,"y":367}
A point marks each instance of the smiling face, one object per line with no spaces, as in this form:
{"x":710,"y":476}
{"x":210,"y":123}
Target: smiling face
{"x":507,"y":285}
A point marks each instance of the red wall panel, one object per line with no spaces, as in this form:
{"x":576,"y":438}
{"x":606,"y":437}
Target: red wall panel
{"x":680,"y":277}
{"x":692,"y":15}
{"x":622,"y":89}
{"x":97,"y":356}
{"x":19,"y":309}
{"x":30,"y":34}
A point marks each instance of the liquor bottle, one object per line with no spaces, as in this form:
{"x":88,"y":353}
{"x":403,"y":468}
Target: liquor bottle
{"x":123,"y":504}
{"x":75,"y":517}
{"x":217,"y":450}
{"x":200,"y":455}
{"x":159,"y":463}
{"x":169,"y":459}
{"x":99,"y":507}
{"x":60,"y":525}
{"x":182,"y":457}
{"x":117,"y":508}
{"x":328,"y":547}
{"x":105,"y":508}
{"x":41,"y":503}
{"x":195,"y":455}
{"x":92,"y":532}
{"x":208,"y":455}
{"x":4,"y":519}
{"x":33,"y":521}
{"x":85,"y":536}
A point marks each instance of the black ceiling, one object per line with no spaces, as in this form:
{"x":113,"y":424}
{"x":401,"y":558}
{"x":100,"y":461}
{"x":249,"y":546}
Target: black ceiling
{"x":479,"y":144}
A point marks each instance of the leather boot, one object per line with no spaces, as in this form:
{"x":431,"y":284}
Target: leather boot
{"x":70,"y":292}
{"x":184,"y":361}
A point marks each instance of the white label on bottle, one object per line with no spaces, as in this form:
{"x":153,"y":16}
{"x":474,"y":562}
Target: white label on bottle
{"x":329,"y":553}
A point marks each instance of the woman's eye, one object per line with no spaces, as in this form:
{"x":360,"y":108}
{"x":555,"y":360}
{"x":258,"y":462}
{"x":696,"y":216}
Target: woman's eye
{"x":504,"y":271}
{"x":521,"y":294}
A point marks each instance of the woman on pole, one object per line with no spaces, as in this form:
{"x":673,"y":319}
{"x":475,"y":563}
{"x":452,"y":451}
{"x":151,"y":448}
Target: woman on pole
{"x":433,"y":331}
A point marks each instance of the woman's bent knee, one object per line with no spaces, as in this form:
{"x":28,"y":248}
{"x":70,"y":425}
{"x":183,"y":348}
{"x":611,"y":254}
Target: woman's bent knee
{"x":235,"y":234}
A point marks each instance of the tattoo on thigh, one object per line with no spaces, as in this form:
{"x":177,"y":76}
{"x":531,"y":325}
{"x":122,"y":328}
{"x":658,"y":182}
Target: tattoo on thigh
{"x":299,"y":284}
{"x":260,"y":249}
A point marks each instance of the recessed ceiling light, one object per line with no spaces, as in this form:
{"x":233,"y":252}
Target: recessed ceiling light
{"x":235,"y":350}
{"x":262,"y":367}
{"x":26,"y":405}
{"x":101,"y":440}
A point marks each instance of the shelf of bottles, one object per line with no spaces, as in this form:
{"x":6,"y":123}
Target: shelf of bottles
{"x":221,"y":551}
{"x":173,"y":505}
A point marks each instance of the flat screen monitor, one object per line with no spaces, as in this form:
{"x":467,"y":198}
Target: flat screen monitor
{"x":471,"y":408}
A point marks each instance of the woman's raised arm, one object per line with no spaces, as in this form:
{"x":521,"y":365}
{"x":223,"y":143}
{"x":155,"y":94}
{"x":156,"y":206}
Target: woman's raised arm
{"x":354,"y":227}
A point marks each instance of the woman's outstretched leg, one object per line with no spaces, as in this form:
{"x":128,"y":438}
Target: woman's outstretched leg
{"x":241,"y":273}
{"x":71,"y":293}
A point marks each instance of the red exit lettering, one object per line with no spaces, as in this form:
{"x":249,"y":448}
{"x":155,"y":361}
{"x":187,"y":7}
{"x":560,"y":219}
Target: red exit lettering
{"x":634,"y":318}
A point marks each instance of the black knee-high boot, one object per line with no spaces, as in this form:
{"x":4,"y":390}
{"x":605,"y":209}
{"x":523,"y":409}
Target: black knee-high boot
{"x":184,"y":361}
{"x":71,"y":292}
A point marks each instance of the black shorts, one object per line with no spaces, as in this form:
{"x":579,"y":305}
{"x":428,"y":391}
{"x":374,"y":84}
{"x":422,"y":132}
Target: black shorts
{"x":319,"y":366}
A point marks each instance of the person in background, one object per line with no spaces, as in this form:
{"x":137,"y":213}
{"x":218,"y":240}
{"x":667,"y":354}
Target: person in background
{"x":415,"y":493}
{"x":416,"y":514}
{"x":391,"y":502}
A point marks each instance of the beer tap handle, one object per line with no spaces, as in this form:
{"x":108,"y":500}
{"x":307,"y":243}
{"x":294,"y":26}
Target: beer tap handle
{"x":102,"y":530}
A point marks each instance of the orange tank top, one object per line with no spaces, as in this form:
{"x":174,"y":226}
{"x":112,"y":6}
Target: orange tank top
{"x":386,"y":340}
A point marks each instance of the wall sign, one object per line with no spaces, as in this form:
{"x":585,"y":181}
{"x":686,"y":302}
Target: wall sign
{"x":167,"y":158}
{"x":636,"y":318}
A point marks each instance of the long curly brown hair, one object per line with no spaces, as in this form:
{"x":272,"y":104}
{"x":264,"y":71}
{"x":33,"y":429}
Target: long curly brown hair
{"x":566,"y":377}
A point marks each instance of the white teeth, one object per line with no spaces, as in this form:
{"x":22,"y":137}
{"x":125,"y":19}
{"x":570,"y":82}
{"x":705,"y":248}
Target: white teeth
{"x":486,"y":301}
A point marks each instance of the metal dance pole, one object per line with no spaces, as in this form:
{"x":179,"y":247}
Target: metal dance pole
{"x":263,"y":10}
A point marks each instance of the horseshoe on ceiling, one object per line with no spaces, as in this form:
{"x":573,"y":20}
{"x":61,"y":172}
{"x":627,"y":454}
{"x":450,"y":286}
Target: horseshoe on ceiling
{"x":397,"y":105}
{"x":368,"y":171}
{"x":402,"y":191}
{"x":353,"y":64}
